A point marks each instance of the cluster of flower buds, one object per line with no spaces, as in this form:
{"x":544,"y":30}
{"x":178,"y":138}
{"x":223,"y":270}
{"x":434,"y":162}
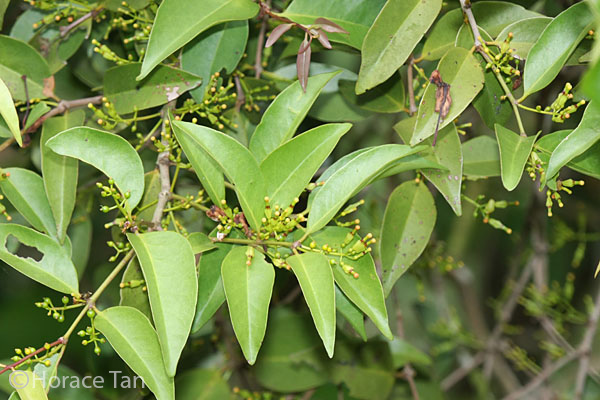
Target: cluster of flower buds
{"x":3,"y":210}
{"x":111,"y":191}
{"x":559,"y":112}
{"x":106,"y":116}
{"x":501,"y":61}
{"x":554,"y":196}
{"x":110,"y":55}
{"x":228,"y":219}
{"x":94,"y":335}
{"x":58,"y":313}
{"x":485,"y":209}
{"x":119,"y":247}
{"x":28,"y":351}
{"x":279,"y":222}
{"x":134,"y":283}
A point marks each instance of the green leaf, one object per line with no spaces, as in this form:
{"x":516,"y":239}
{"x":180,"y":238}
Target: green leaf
{"x":351,"y":312}
{"x":462,"y":71}
{"x":560,"y":38}
{"x":109,"y":153}
{"x":80,"y":235}
{"x":385,"y":98}
{"x":207,"y":172}
{"x":284,"y":115}
{"x":151,"y":191}
{"x":577,"y":142}
{"x":210,"y":285}
{"x":236,"y":162}
{"x":200,"y":242}
{"x":3,"y":6}
{"x":448,"y":153}
{"x":163,"y":85}
{"x":9,"y":113}
{"x":177,"y":22}
{"x":481,"y":157}
{"x":60,"y":173}
{"x":355,"y":19}
{"x":514,"y":152}
{"x":202,"y":384}
{"x":403,"y":353}
{"x":134,"y":339}
{"x":248,"y":289}
{"x":407,"y":225}
{"x":365,"y":291}
{"x":316,"y":281}
{"x":29,"y":386}
{"x":587,"y":163}
{"x":25,"y":191}
{"x":525,"y":33}
{"x":169,"y":269}
{"x":292,"y":358}
{"x":17,"y":58}
{"x":220,"y":47}
{"x":350,"y":178}
{"x":53,"y":268}
{"x":35,"y":113}
{"x":133,"y":294}
{"x":396,"y":31}
{"x":289,"y":168}
{"x":492,"y":16}
{"x":488,"y":102}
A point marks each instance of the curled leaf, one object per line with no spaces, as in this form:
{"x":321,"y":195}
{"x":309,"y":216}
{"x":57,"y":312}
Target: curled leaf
{"x":303,"y":62}
{"x":324,"y":39}
{"x":276,"y":34}
{"x":330,"y":26}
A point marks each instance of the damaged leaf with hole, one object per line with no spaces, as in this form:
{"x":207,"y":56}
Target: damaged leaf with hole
{"x":40,"y":258}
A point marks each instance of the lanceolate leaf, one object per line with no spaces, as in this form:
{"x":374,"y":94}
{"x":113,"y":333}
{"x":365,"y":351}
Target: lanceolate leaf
{"x":276,"y":33}
{"x":248,"y":289}
{"x":587,"y":163}
{"x":109,"y":153}
{"x":25,"y":190}
{"x":9,"y":113}
{"x":448,"y":153}
{"x":560,"y":38}
{"x":355,"y":18}
{"x":284,"y":115}
{"x":398,"y":28}
{"x":29,"y":386}
{"x":462,"y":71}
{"x":577,"y":142}
{"x":236,"y":162}
{"x":385,"y":98}
{"x":289,"y":168}
{"x":60,"y":173}
{"x":169,"y":269}
{"x":316,"y":280}
{"x":365,"y":291}
{"x":53,"y":268}
{"x":177,"y":22}
{"x":525,"y":33}
{"x":210,"y":176}
{"x":353,"y":176}
{"x":514,"y":152}
{"x":408,"y":222}
{"x":134,"y":339}
{"x":163,"y":85}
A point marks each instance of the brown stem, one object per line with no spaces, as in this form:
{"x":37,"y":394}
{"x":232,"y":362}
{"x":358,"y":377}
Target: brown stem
{"x":35,"y":353}
{"x":65,"y":30}
{"x":241,"y":97}
{"x":585,"y":349}
{"x":63,"y":107}
{"x":265,"y":12}
{"x":466,"y":7}
{"x":165,"y":179}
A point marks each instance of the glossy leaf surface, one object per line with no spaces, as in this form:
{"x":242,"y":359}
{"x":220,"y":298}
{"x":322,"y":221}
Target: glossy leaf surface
{"x":168,"y":264}
{"x":248,"y":289}
{"x":514,"y":152}
{"x":109,"y":153}
{"x":134,"y":339}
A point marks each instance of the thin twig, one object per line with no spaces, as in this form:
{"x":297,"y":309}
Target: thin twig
{"x":30,"y":355}
{"x":261,"y":38}
{"x":466,"y":7}
{"x":65,"y":30}
{"x":240,"y":96}
{"x":412,"y":107}
{"x":162,"y":162}
{"x":585,"y":349}
{"x":63,"y":107}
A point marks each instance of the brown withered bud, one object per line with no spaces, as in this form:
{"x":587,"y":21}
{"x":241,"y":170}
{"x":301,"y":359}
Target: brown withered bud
{"x":443,"y":100}
{"x":215,"y":213}
{"x":517,"y":83}
{"x":241,"y":219}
